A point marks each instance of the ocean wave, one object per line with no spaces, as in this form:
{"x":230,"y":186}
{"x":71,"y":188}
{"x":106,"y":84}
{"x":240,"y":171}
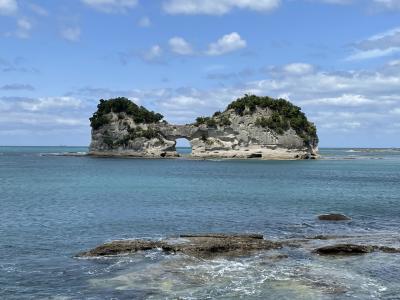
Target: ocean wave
{"x":351,"y":157}
{"x":374,"y":150}
{"x":179,"y":276}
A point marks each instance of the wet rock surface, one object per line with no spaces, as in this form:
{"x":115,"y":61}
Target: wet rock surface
{"x":344,"y":249}
{"x":333,"y":217}
{"x":207,"y":245}
{"x":228,"y":245}
{"x":232,"y":245}
{"x":121,"y":247}
{"x":353,"y":249}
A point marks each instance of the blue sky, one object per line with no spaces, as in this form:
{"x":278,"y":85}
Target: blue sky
{"x":337,"y":59}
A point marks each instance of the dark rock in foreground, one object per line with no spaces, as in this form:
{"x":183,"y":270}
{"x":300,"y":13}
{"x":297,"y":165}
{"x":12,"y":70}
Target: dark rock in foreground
{"x":344,"y":249}
{"x":122,"y":247}
{"x":333,"y":217}
{"x":223,"y":236}
{"x":208,"y":245}
{"x":353,"y":249}
{"x":213,"y":245}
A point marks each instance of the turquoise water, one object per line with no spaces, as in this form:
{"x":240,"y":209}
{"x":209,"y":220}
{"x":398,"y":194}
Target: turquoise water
{"x":52,"y":207}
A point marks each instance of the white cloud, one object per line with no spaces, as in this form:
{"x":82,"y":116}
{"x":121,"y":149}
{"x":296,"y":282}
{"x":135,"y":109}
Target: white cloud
{"x":298,"y":69}
{"x":111,"y":6}
{"x":24,"y":27}
{"x":332,"y":84}
{"x":395,"y":111}
{"x":8,"y":7}
{"x":182,"y":102}
{"x":217,"y":7}
{"x":340,"y":2}
{"x":46,"y":120}
{"x":345,"y":100}
{"x":71,"y":121}
{"x":24,"y":24}
{"x":346,"y":105}
{"x":388,"y":4}
{"x":144,"y":22}
{"x":352,"y":125}
{"x":373,"y":5}
{"x":153,"y":54}
{"x":39,"y":10}
{"x":379,"y":45}
{"x":394,"y":63}
{"x":49,"y":103}
{"x":17,"y":87}
{"x":180,"y":46}
{"x":228,"y":43}
{"x":71,"y":34}
{"x":374,"y":53}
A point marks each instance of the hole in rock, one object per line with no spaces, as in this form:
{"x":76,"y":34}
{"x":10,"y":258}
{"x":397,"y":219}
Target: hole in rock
{"x":183,"y":147}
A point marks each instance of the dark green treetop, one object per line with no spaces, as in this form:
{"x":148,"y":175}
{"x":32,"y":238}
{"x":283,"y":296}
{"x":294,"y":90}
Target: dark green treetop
{"x":122,"y":105}
{"x":284,"y":114}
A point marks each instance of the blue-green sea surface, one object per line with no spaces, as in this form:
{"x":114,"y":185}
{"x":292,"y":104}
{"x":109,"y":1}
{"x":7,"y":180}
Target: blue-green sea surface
{"x":54,"y":206}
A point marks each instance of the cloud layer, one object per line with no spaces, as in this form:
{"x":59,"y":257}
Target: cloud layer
{"x":220,"y":7}
{"x":344,"y":103}
{"x":111,"y":6}
{"x":380,"y":45}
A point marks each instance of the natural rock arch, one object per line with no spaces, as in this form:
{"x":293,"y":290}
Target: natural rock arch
{"x":251,"y":127}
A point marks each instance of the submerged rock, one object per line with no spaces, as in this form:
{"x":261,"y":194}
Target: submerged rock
{"x":344,"y":249}
{"x":122,"y":247}
{"x":333,"y":217}
{"x":328,"y":237}
{"x":228,"y":245}
{"x":351,"y":249}
{"x":208,"y":245}
{"x":387,"y":249}
{"x":224,"y":236}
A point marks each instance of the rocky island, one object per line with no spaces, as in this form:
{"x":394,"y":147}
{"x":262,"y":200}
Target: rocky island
{"x":250,"y":127}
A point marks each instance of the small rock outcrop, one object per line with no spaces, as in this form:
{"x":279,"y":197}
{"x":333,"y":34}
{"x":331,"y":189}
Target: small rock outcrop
{"x":250,"y":127}
{"x":353,"y":249}
{"x":344,"y":249}
{"x":209,"y":245}
{"x":333,"y":217}
{"x":213,"y":245}
{"x":122,"y":247}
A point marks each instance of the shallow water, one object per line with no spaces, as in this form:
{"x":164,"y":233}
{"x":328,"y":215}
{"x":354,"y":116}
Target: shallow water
{"x":52,"y":207}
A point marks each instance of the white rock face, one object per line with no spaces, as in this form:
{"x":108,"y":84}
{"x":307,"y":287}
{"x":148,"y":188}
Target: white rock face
{"x":241,"y":139}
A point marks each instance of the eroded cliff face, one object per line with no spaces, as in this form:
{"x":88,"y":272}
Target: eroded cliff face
{"x":225,"y":135}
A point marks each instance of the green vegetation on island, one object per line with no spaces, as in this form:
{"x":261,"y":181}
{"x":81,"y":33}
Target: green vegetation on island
{"x":210,"y":122}
{"x":282,"y":116}
{"x":217,"y":119}
{"x":139,"y":114}
{"x":285,"y":115}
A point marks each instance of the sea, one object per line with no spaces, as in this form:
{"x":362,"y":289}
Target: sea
{"x":56,"y":202}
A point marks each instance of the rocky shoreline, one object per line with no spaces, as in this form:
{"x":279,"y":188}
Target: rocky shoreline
{"x":228,"y":155}
{"x":212,"y":245}
{"x":228,"y":245}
